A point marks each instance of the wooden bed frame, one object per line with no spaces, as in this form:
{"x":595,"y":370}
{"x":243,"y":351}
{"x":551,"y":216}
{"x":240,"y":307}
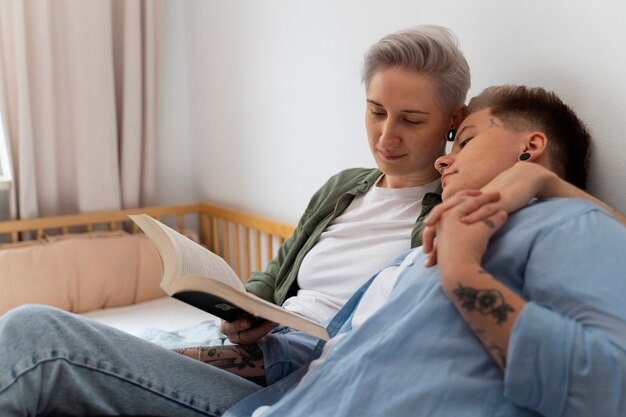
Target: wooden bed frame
{"x":247,"y":242}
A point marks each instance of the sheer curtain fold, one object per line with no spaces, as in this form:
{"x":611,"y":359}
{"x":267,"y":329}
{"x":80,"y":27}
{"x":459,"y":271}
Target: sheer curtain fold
{"x":137,"y":28}
{"x":80,"y":97}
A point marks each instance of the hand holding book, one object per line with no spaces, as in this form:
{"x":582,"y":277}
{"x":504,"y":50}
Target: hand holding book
{"x":197,"y":276}
{"x":243,"y":331}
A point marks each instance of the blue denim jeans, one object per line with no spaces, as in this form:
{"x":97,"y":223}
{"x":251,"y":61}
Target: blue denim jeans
{"x":52,"y":361}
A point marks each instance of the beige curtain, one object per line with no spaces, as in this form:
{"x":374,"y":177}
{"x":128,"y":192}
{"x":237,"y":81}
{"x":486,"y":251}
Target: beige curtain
{"x":78,"y":91}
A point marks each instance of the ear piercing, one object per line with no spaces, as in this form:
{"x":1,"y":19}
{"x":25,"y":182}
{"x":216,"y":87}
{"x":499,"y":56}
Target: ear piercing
{"x":524,"y":156}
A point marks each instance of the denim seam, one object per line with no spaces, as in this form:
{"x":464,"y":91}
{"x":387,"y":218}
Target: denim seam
{"x":15,"y":375}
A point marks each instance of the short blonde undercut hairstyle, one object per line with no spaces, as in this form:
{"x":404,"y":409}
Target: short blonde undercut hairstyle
{"x":429,"y":49}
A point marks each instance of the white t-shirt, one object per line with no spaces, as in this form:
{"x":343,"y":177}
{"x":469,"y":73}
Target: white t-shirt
{"x":374,"y":229}
{"x":374,"y":298}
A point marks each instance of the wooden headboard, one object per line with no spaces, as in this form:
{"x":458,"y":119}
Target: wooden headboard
{"x":246,"y":241}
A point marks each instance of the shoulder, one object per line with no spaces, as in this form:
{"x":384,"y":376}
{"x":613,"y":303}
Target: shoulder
{"x":354,"y":176}
{"x":561,"y":210}
{"x":344,"y":184}
{"x":553,"y":237}
{"x":576,"y":217}
{"x":350,"y":180}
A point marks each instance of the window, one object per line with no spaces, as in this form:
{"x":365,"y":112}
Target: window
{"x":5,"y":168}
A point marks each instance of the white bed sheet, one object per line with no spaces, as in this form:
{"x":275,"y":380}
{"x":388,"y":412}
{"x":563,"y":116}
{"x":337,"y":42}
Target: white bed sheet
{"x":165,"y":313}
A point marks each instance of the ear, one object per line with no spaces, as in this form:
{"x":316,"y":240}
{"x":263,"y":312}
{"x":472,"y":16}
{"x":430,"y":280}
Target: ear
{"x":458,"y":116}
{"x":537,"y":145}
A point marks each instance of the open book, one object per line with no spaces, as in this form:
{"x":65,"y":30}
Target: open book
{"x":197,"y":276}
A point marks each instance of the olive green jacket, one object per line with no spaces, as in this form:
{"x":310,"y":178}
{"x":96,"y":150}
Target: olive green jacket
{"x":278,"y":281}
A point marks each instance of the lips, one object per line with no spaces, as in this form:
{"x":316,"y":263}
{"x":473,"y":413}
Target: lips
{"x":444,"y":177}
{"x":389,"y":157}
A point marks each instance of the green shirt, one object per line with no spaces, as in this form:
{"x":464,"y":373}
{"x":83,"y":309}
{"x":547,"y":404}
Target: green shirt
{"x":278,"y":281}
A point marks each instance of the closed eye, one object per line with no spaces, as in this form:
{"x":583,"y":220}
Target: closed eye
{"x":464,"y":142}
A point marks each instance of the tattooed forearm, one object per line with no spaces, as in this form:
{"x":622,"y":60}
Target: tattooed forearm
{"x":490,"y":309}
{"x":243,"y":360}
{"x":487,"y":302}
{"x":481,"y":333}
{"x":232,"y":356}
{"x":496,"y":351}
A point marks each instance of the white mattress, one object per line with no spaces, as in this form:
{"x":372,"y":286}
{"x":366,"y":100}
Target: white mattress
{"x":164,"y":313}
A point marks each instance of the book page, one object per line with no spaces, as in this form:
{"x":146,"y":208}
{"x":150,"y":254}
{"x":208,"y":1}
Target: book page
{"x":198,"y":260}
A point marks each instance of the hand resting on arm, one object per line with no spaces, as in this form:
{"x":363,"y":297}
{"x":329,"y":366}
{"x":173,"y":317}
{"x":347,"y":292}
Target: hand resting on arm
{"x":509,"y":191}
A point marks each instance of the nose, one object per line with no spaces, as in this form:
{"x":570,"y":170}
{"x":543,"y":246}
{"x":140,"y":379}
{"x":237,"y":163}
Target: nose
{"x":389,"y":137}
{"x":443,"y":162}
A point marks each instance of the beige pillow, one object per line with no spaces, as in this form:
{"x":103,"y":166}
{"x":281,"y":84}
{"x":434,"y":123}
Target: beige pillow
{"x":80,"y":272}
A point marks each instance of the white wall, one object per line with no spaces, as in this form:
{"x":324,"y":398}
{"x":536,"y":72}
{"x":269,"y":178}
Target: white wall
{"x":275,"y":104}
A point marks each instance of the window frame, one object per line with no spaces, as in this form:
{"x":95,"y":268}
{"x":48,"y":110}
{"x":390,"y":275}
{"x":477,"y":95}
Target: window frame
{"x":5,"y":163}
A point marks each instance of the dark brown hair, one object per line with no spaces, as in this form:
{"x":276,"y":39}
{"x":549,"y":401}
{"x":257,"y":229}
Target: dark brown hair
{"x":522,"y":108}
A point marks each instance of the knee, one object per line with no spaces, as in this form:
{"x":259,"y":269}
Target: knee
{"x":29,"y":320}
{"x":28,"y":311}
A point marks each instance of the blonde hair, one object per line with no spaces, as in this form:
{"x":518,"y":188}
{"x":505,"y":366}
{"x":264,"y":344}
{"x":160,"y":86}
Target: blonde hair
{"x":428,"y":49}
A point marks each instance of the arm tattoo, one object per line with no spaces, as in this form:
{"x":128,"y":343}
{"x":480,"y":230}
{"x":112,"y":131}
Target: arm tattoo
{"x":243,"y":360}
{"x":486,"y":302}
{"x":232,"y":356}
{"x":496,"y":351}
{"x":489,"y":224}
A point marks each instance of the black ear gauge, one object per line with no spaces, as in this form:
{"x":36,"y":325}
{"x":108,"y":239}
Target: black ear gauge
{"x":451,"y":134}
{"x":524,"y":156}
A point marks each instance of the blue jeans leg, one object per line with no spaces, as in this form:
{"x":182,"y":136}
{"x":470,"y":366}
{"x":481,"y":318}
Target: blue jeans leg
{"x":54,"y":361}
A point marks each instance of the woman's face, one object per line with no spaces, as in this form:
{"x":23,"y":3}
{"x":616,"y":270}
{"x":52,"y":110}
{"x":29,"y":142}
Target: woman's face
{"x":482,"y":149}
{"x":405,"y":125}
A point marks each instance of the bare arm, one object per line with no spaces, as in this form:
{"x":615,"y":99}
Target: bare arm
{"x":243,"y":360}
{"x":509,"y":191}
{"x":489,"y":307}
{"x":520,"y":179}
